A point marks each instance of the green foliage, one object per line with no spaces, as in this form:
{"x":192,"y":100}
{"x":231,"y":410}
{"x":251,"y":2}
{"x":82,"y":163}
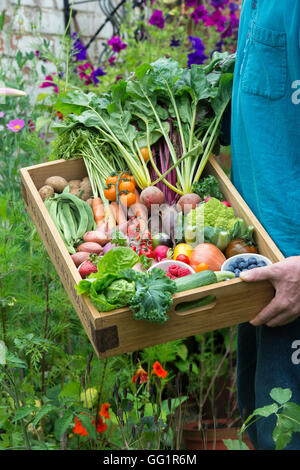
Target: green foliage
{"x":287,"y":416}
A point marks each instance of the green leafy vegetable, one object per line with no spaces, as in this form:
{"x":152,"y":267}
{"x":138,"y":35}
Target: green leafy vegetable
{"x":153,"y":296}
{"x":178,"y":109}
{"x":111,"y":287}
{"x":208,"y":187}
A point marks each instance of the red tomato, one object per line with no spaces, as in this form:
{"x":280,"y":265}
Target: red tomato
{"x":183,"y":259}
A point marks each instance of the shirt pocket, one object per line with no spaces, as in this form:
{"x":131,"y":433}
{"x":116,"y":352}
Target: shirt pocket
{"x":264,"y":68}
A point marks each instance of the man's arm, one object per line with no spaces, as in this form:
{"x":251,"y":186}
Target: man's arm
{"x":285,"y":278}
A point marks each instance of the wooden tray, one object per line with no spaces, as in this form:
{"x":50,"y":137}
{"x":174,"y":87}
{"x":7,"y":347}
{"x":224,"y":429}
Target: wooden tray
{"x":116,"y":332}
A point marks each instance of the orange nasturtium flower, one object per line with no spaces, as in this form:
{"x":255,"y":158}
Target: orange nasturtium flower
{"x":141,"y":374}
{"x":104,"y":410}
{"x":101,"y":425}
{"x":78,"y":428}
{"x":159,"y":371}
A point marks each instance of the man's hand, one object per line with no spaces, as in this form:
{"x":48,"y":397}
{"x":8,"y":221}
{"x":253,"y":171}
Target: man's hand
{"x":285,"y":278}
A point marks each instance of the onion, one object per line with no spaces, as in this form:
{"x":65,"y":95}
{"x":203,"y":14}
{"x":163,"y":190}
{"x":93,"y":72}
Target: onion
{"x":108,"y":247}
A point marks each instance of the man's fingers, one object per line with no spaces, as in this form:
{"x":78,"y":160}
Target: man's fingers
{"x":274,"y":308}
{"x":257,"y":274}
{"x":281,"y":320}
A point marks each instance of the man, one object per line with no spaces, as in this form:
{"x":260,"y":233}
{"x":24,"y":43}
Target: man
{"x":265,"y":136}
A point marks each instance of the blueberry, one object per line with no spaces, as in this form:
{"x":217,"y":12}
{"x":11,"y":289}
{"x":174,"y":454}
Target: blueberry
{"x":240,"y":260}
{"x":260,"y":264}
{"x":252,"y":260}
{"x":237,"y":272}
{"x":243,"y":265}
{"x":232,"y":267}
{"x":252,"y":266}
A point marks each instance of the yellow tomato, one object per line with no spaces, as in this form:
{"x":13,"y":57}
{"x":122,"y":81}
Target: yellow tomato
{"x":182,"y":249}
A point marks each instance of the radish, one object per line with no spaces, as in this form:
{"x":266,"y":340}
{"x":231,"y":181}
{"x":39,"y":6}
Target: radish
{"x":161,"y":252}
{"x":226,"y":203}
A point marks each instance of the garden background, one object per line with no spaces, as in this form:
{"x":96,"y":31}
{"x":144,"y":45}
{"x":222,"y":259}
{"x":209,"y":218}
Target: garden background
{"x":54,"y":392}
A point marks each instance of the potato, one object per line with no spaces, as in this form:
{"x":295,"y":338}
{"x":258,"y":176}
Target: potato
{"x":58,"y":183}
{"x":86,"y":187}
{"x":74,"y":183}
{"x":46,"y":191}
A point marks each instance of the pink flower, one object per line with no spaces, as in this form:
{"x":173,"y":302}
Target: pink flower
{"x":116,"y":44}
{"x":2,"y":114}
{"x":15,"y":125}
{"x":112,"y":60}
{"x":49,"y":82}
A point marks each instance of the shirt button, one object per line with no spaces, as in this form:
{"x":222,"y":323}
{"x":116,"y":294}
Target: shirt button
{"x":254,"y":4}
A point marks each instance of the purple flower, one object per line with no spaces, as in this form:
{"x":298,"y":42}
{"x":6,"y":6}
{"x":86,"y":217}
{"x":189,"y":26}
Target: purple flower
{"x":200,"y":13}
{"x":174,"y":42}
{"x":157,"y":19}
{"x":15,"y":125}
{"x":219,"y":3}
{"x":78,"y":48}
{"x":2,"y":114}
{"x":97,"y":73}
{"x":112,"y":60}
{"x":198,"y":56}
{"x":191,"y":3}
{"x":233,"y":7}
{"x":216,"y":19}
{"x":37,"y":53}
{"x":116,"y":44}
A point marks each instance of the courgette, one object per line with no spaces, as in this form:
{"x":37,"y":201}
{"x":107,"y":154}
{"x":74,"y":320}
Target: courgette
{"x":204,"y":278}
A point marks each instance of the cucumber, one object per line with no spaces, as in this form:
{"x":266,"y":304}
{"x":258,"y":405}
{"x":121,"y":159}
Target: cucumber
{"x":204,"y":278}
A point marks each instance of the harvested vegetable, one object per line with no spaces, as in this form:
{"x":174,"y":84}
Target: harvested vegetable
{"x":151,"y":196}
{"x":153,"y":296}
{"x":188,"y":202}
{"x":209,"y":254}
{"x":201,"y":279}
{"x":80,"y":257}
{"x":162,"y":252}
{"x":208,"y":187}
{"x":239,"y":247}
{"x":183,"y":249}
{"x":183,"y":258}
{"x":46,"y":192}
{"x":161,"y":239}
{"x":90,"y":247}
{"x":58,"y":183}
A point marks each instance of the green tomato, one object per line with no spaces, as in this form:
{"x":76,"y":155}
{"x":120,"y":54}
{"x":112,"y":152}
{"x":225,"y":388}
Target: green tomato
{"x":161,"y":239}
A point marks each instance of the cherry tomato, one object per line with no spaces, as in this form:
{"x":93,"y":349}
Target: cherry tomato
{"x":201,"y":267}
{"x":183,"y":259}
{"x":110,"y":192}
{"x":146,"y":251}
{"x":112,"y":180}
{"x":127,"y":176}
{"x":127,"y":199}
{"x":126,"y":186}
{"x":145,"y":153}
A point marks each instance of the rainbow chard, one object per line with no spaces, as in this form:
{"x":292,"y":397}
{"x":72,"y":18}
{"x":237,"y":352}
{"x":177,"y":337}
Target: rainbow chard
{"x":176,"y":112}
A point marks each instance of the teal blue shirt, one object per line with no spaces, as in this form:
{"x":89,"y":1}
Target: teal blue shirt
{"x":265,"y":129}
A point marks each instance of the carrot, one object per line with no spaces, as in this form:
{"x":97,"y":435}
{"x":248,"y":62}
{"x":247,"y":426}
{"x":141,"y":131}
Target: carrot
{"x":118,"y":213}
{"x":98,"y":211}
{"x":140,"y":213}
{"x":110,"y":221}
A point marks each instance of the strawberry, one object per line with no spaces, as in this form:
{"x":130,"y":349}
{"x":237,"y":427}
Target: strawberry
{"x":86,"y":268}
